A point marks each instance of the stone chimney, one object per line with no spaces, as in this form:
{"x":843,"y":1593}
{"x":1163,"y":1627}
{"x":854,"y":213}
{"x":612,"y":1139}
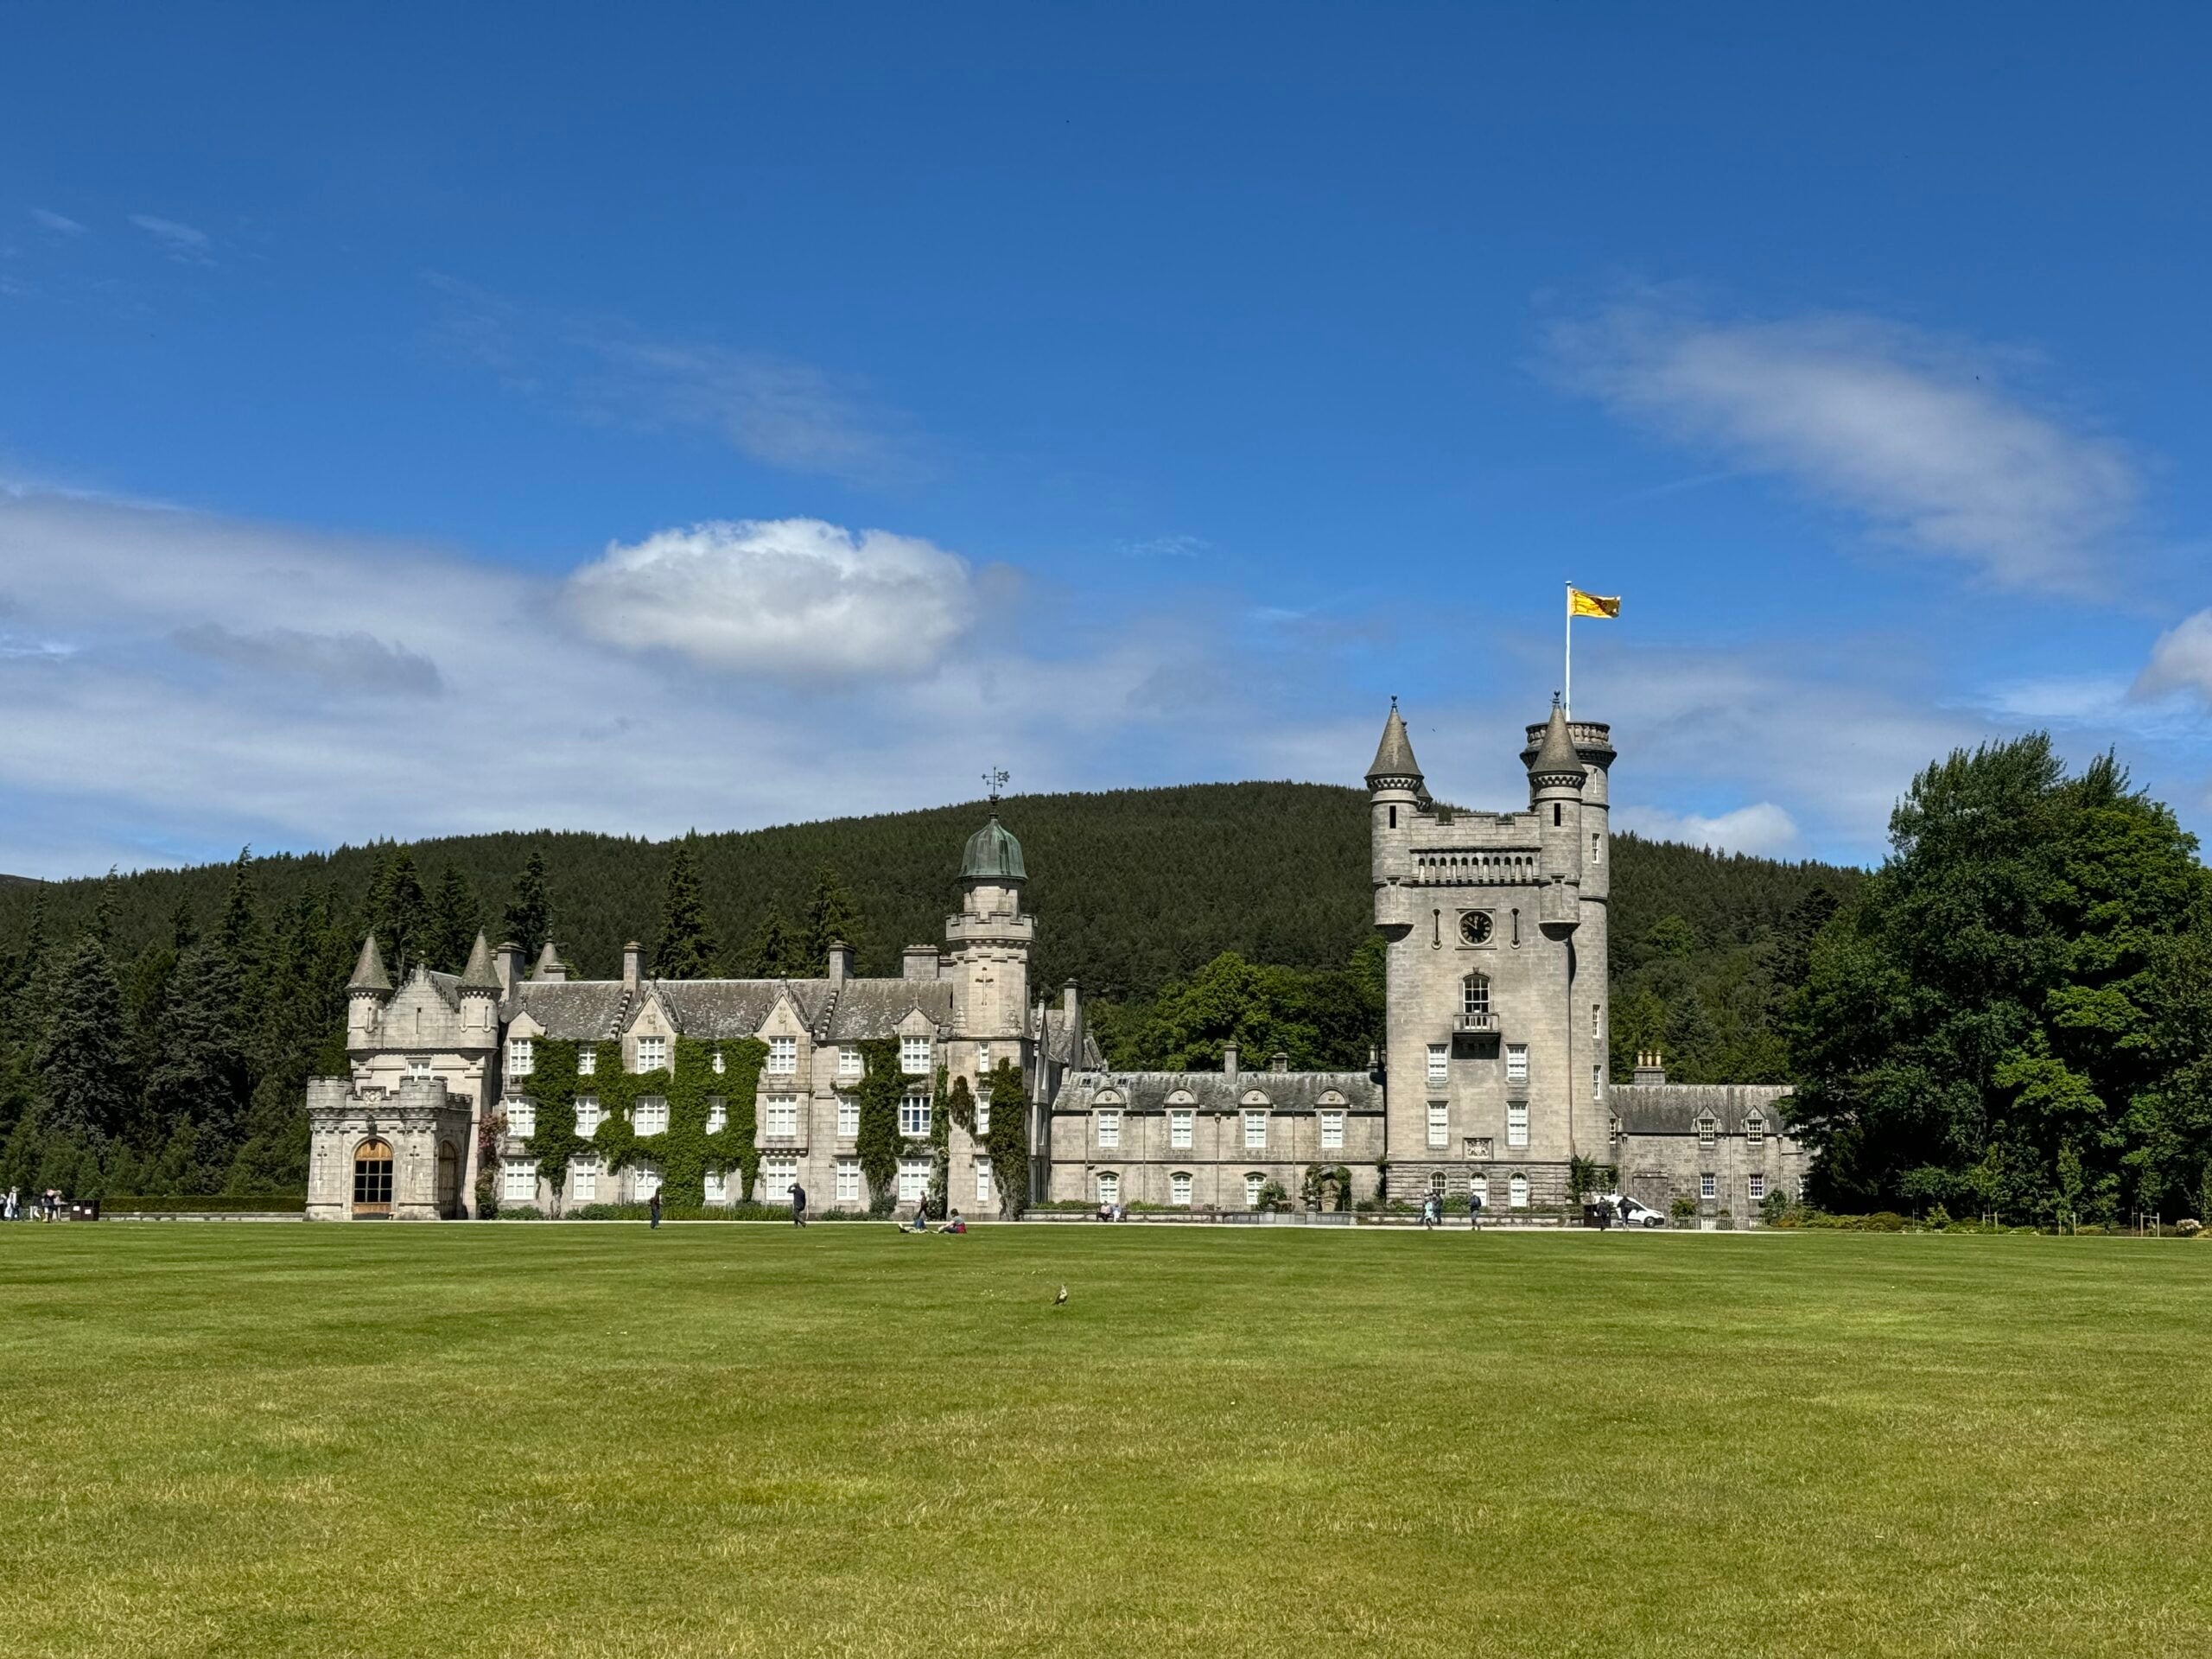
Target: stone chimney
{"x":1652,"y":1067}
{"x":550,"y":969}
{"x":1228,"y":1059}
{"x":1071,"y":1014}
{"x":920,"y":962}
{"x":507,"y":962}
{"x":840,"y":962}
{"x":633,"y":965}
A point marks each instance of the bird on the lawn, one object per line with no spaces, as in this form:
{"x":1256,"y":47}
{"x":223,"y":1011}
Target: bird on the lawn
{"x":1061,"y":1301}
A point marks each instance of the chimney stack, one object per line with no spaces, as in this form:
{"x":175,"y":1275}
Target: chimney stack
{"x":1228,"y":1059}
{"x":507,"y":960}
{"x":1650,"y":1067}
{"x":1279,"y":1061}
{"x":634,"y":965}
{"x":550,"y":969}
{"x":1072,"y":1012}
{"x":920,"y":962}
{"x":840,"y":962}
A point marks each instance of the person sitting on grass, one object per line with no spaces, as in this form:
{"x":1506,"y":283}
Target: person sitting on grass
{"x":954,"y":1224}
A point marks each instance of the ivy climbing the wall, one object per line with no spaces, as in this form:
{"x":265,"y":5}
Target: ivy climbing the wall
{"x":685,"y":1152}
{"x":880,"y":1144}
{"x":1008,"y":1142}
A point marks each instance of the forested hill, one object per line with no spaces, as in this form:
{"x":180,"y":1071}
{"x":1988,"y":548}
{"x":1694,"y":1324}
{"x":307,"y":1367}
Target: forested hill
{"x":1132,"y":887}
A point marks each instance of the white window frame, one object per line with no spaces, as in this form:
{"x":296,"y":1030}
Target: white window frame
{"x":1474,"y":993}
{"x":720,"y":1068}
{"x":1758,"y":1186}
{"x":716,"y":1187}
{"x":1597,"y":1083}
{"x":1255,"y":1129}
{"x":1178,"y":1188}
{"x":587,"y":1060}
{"x":1109,"y":1126}
{"x":518,"y":1180}
{"x":914,"y":1114}
{"x":983,"y":1183}
{"x":777,"y":1175}
{"x":1517,"y":1193}
{"x":846,"y":1174}
{"x":522,"y":1058}
{"x":652,"y":1054}
{"x":849,"y":1118}
{"x":522,"y":1118}
{"x":1255,"y":1184}
{"x":783,"y":1057}
{"x":418,"y":1068}
{"x":982,"y":1112}
{"x":1333,"y":1131}
{"x":1478,"y":1187}
{"x":649,"y":1116}
{"x":1109,"y":1186}
{"x":913,"y":1180}
{"x":648,"y":1181}
{"x":717,"y":1115}
{"x":1708,"y":1185}
{"x":1516,"y":1122}
{"x":1517,"y":1063}
{"x":779,"y":1116}
{"x":849,"y":1062}
{"x":914,"y":1055}
{"x":1755,"y":1130}
{"x":583,"y":1181}
{"x":1440,"y":1123}
{"x":1439,"y":1065}
{"x":1708,"y":1132}
{"x":1182,"y":1125}
{"x":589,"y":1113}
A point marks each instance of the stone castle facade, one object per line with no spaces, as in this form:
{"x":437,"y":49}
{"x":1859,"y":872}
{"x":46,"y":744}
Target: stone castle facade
{"x":1492,"y":1080}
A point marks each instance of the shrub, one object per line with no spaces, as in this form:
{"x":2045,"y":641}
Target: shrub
{"x":1684,"y":1207}
{"x":1938,"y":1218}
{"x":2188,"y":1227}
{"x":519,"y":1212}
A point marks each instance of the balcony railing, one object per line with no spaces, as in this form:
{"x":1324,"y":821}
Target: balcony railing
{"x":1465,"y":1022}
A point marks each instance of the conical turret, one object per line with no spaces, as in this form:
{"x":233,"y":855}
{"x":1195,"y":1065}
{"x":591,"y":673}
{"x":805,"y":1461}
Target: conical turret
{"x":1394,"y":766}
{"x":368,"y":972}
{"x":479,"y":974}
{"x":1556,"y":763}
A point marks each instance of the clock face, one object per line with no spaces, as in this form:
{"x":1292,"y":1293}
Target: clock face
{"x":1474,"y":927}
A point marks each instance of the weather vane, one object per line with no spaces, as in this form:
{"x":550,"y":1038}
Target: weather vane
{"x":995,"y":780}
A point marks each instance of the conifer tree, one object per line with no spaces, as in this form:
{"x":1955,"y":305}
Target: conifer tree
{"x":686,"y":950}
{"x":831,"y":916}
{"x":529,"y":918}
{"x":203,"y":1079}
{"x":81,"y":1062}
{"x":454,"y":917}
{"x":774,"y":953}
{"x":398,"y":914}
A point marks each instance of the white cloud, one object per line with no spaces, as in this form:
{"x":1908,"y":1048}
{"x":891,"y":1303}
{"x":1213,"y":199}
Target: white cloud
{"x":352,"y":662}
{"x":59,"y":223}
{"x":2181,"y":661}
{"x":794,"y":597}
{"x":1763,"y":828}
{"x":181,"y":241}
{"x":1914,"y":434}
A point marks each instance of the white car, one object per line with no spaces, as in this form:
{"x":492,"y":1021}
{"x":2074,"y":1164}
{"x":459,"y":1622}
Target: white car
{"x":1631,"y":1212}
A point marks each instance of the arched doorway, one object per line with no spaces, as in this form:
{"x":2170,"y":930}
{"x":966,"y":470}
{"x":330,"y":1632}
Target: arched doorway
{"x":449,"y":1180}
{"x":371,"y":1180}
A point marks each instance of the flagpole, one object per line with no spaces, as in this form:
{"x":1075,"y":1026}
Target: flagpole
{"x":1567,"y":691}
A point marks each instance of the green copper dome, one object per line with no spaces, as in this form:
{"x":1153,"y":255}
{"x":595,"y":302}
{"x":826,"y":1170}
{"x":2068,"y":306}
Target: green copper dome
{"x":993,"y":854}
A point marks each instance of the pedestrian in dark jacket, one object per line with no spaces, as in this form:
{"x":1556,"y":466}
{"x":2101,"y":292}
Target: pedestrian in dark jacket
{"x":798,"y":1205}
{"x":653,"y":1206}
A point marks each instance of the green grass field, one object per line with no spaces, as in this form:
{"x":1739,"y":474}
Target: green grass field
{"x":712,"y":1439}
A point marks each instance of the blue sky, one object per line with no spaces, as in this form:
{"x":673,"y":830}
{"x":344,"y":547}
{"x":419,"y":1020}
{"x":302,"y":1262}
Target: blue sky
{"x":418,"y":421}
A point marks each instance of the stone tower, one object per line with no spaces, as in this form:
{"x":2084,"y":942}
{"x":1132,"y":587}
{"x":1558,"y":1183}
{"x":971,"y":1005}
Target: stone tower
{"x":1495,"y":925}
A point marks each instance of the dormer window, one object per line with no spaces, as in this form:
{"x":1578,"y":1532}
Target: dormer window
{"x":1708,"y":1130}
{"x":519,"y":1058}
{"x":418,"y":1067}
{"x":914,"y":1055}
{"x":588,"y":1061}
{"x":652,"y":1053}
{"x":720,"y":1067}
{"x":783,"y":1056}
{"x":1754,"y":1130}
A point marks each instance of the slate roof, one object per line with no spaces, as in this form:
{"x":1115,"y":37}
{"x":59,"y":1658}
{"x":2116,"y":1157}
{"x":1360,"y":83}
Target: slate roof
{"x":1054,"y":1044}
{"x":478,"y":974}
{"x":874,"y":1007}
{"x":1674,"y":1107}
{"x":368,"y":970}
{"x":1393,"y":755}
{"x":1214,"y":1091}
{"x":577,"y":1010}
{"x":1556,"y":756}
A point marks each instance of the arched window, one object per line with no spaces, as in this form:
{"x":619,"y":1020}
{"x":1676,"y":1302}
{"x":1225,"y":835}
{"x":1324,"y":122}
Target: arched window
{"x":372,"y":1178}
{"x":1178,"y":1188}
{"x":1474,"y":995}
{"x":1436,"y":1182}
{"x":1253,"y":1183}
{"x":1109,"y":1186}
{"x":1517,"y":1193}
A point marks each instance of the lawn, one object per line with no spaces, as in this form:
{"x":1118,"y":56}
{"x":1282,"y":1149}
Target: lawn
{"x":715,"y":1439}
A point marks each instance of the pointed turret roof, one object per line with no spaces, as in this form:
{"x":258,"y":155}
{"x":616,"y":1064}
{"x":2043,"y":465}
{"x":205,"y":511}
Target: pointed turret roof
{"x":1555,"y":756}
{"x":368,"y":972}
{"x":478,"y":974}
{"x":1393,"y":755}
{"x":549,"y":963}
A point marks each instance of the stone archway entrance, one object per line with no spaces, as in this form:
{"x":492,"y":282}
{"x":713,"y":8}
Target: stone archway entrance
{"x":371,"y":1180}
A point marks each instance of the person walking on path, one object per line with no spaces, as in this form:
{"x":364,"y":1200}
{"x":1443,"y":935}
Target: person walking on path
{"x":798,"y":1205}
{"x":653,"y":1206}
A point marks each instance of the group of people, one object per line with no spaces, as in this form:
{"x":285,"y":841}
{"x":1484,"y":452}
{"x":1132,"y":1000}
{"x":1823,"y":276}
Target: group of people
{"x":43,"y":1207}
{"x":1432,"y":1210}
{"x":920,"y":1223}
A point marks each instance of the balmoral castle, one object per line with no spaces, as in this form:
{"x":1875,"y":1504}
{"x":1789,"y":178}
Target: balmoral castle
{"x":1492,"y":1078}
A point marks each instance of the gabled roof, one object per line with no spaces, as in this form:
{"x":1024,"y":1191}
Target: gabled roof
{"x":1054,"y":1042}
{"x":1218,"y":1092}
{"x":368,"y":972}
{"x":1674,"y":1107}
{"x":577,"y":1011}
